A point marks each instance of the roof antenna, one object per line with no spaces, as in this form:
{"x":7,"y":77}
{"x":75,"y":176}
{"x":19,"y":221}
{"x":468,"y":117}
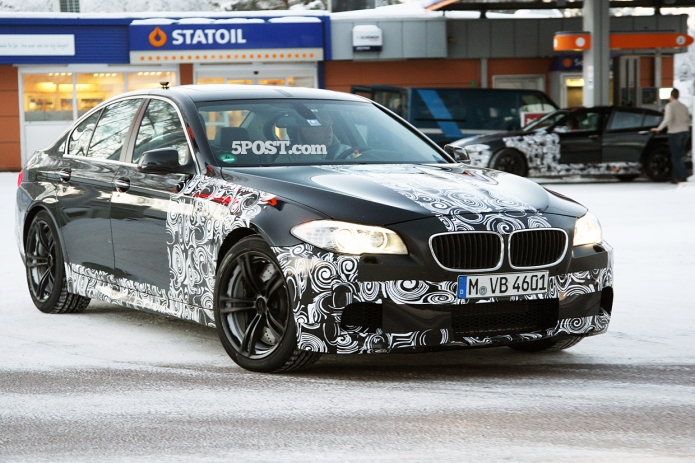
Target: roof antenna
{"x":165,"y":85}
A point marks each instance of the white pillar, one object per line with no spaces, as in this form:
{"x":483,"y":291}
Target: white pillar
{"x":597,"y":58}
{"x":657,"y":70}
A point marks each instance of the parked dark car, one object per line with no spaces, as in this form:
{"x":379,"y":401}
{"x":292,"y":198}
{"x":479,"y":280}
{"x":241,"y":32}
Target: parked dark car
{"x":447,"y":114}
{"x":586,"y":141}
{"x":300,"y":222}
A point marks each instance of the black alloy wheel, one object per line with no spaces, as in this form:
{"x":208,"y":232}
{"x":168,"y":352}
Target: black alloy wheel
{"x":253,"y":310}
{"x":510,"y":161}
{"x":45,"y":269}
{"x":657,"y":164}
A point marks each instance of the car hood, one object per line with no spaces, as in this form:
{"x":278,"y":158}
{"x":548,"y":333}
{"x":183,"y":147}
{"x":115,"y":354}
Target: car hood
{"x":388,"y":194}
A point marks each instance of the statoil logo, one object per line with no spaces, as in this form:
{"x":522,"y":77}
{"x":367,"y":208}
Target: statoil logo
{"x":158,"y":38}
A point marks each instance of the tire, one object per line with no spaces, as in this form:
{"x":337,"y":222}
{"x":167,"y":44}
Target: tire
{"x":45,"y":269}
{"x":253,"y":311}
{"x":657,"y":164}
{"x":510,"y":161}
{"x":626,"y":178}
{"x":547,"y":345}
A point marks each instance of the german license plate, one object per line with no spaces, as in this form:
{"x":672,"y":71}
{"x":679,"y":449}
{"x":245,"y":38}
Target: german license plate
{"x":501,"y":285}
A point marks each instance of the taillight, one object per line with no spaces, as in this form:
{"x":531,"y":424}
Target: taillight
{"x":20,"y":178}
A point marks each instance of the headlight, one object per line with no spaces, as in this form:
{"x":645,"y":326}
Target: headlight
{"x":350,"y":238}
{"x":587,"y":230}
{"x":477,"y":148}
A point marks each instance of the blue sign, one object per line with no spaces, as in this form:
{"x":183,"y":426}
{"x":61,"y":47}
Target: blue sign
{"x":463,"y":287}
{"x":223,"y":36}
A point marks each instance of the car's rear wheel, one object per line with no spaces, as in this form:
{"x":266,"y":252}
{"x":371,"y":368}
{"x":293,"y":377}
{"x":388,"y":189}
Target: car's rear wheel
{"x":45,"y":269}
{"x":626,"y":178}
{"x":510,"y":161}
{"x":547,"y":344}
{"x":253,"y":311}
{"x":657,"y":164}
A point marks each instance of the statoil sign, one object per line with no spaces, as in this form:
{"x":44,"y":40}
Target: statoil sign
{"x":296,"y":39}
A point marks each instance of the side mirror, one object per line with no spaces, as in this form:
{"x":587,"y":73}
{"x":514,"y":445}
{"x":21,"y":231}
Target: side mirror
{"x":160,"y":161}
{"x":458,"y":152}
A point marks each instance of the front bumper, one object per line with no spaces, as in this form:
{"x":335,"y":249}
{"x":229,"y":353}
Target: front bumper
{"x":402,"y":315}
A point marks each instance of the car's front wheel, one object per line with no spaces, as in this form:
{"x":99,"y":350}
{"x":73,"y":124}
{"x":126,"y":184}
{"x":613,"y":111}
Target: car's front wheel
{"x":45,"y":269}
{"x":253,"y":310}
{"x":511,"y":161}
{"x":547,"y":344}
{"x":657,"y":164}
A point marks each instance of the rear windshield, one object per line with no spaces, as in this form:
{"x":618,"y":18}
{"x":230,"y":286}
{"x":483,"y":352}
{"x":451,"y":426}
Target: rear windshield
{"x":287,"y":132}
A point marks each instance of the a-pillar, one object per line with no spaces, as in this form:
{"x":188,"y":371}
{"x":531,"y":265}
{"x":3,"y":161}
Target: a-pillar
{"x":597,"y":59}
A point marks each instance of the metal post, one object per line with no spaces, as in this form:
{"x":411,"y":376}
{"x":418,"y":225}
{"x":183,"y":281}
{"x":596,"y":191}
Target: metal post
{"x":483,"y":72}
{"x":597,"y":58}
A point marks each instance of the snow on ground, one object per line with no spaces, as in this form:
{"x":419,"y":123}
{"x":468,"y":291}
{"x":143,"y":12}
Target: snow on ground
{"x":113,"y":384}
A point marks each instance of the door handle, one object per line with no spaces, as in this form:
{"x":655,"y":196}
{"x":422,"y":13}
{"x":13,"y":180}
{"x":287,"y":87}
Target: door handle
{"x":592,"y":136}
{"x":65,"y":174}
{"x":644,"y":132}
{"x":122,"y":184}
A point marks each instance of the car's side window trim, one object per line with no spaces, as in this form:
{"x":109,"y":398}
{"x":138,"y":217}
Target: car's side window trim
{"x":136,"y":127}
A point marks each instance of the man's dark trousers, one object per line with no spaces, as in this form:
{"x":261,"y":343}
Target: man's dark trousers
{"x":677,"y":142}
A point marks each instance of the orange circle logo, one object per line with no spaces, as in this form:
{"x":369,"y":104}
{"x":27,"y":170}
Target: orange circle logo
{"x":567,"y":62}
{"x":157,"y":37}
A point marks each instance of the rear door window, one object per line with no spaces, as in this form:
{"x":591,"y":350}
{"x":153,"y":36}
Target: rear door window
{"x":112,"y":129}
{"x":82,"y":135}
{"x":652,"y":120}
{"x":626,"y":120}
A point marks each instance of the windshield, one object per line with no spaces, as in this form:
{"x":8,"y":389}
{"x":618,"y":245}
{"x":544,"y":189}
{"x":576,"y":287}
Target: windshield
{"x":545,"y":121}
{"x":287,"y":132}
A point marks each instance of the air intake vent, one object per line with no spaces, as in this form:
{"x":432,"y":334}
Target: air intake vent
{"x":507,"y":317}
{"x":364,"y":314}
{"x":468,"y":251}
{"x":537,"y":248}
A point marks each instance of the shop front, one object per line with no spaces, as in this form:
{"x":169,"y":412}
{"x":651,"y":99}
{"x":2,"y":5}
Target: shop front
{"x":54,"y":70}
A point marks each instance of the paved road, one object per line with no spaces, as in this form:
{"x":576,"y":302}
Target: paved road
{"x":112,"y":384}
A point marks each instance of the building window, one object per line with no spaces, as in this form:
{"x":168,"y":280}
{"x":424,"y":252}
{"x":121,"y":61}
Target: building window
{"x":64,"y":96}
{"x":142,"y":80}
{"x":93,"y":88}
{"x":48,"y":97}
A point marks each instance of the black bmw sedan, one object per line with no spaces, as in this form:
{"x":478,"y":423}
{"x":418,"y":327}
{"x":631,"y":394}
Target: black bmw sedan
{"x":599,"y":141}
{"x":299,"y":222}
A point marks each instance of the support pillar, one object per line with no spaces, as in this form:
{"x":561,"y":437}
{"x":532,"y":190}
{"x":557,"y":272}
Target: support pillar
{"x":483,"y":72}
{"x":597,"y":58}
{"x":657,"y":70}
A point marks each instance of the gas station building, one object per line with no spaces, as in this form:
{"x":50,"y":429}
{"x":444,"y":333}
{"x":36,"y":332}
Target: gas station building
{"x":55,"y":67}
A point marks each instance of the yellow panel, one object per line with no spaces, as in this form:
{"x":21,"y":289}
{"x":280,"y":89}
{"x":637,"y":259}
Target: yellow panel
{"x":48,"y":97}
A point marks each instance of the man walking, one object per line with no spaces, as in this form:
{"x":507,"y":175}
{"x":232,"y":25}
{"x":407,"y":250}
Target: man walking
{"x":677,"y":119}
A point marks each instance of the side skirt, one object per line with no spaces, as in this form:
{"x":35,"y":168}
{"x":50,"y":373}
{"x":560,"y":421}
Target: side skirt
{"x":103,"y":286}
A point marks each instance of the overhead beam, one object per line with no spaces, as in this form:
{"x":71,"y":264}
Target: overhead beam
{"x":457,"y":5}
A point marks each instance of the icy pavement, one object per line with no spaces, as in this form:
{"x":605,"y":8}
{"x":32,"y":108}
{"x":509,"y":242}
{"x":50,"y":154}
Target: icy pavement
{"x":113,"y":384}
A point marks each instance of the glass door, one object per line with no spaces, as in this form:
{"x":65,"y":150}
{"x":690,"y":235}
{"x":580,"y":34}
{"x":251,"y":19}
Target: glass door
{"x":291,"y":75}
